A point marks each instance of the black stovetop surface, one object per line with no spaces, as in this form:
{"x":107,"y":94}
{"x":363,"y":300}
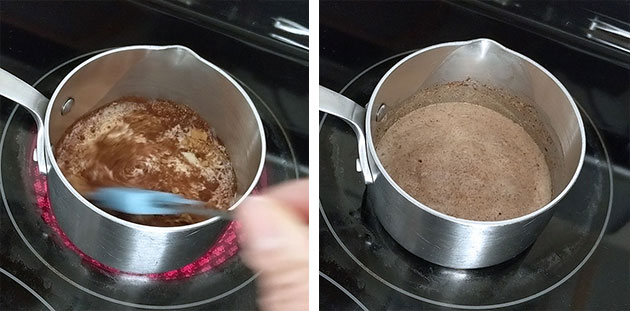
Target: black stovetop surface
{"x":41,"y":42}
{"x":580,"y":261}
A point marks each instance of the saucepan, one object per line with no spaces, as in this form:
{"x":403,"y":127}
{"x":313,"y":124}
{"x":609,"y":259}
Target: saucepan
{"x":173,"y":73}
{"x":434,"y":236}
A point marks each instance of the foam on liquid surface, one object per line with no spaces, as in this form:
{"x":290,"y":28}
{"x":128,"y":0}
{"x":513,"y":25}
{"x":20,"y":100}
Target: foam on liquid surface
{"x":150,"y":144}
{"x":466,"y":161}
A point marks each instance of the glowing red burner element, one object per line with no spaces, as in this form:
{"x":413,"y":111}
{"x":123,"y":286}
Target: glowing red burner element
{"x":222,"y":250}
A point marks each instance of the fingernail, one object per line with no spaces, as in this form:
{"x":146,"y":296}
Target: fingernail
{"x":259,"y":228}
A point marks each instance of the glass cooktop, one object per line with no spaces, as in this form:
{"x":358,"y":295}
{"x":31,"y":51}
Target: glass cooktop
{"x":39,"y":269}
{"x":582,"y":258}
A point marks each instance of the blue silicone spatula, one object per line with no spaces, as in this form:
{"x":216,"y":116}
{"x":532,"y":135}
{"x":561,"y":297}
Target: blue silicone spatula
{"x":148,"y":202}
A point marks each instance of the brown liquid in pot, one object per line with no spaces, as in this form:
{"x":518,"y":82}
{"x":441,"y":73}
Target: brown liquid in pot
{"x":149,"y":144}
{"x":466,"y":161}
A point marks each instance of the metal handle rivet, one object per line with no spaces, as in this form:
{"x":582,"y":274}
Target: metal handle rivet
{"x":67,"y":106}
{"x":380,"y":112}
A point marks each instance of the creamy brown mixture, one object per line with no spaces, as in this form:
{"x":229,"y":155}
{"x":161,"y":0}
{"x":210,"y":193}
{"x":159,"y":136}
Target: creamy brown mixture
{"x":149,"y":144}
{"x":466,"y":161}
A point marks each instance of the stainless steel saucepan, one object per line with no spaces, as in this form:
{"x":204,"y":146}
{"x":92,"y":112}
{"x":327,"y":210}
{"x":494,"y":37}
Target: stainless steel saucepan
{"x":429,"y":234}
{"x":167,"y":72}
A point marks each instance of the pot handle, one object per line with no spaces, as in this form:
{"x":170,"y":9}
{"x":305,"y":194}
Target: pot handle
{"x":28,"y":97}
{"x":342,"y":107}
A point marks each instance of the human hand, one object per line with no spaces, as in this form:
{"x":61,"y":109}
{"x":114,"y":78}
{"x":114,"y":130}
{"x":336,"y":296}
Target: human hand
{"x":274,"y":240}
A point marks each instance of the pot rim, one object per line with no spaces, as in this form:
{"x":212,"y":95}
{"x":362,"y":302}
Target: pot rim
{"x":53,"y":162}
{"x":497,"y":223}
